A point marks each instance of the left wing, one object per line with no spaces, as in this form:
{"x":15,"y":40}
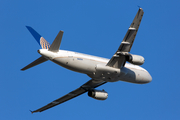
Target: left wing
{"x":91,"y":84}
{"x":118,"y":60}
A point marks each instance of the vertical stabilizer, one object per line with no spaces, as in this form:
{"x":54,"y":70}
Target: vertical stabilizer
{"x":45,"y":45}
{"x":42,"y":42}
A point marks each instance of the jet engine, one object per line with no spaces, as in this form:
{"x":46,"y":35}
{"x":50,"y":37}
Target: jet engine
{"x":135,"y":59}
{"x":98,"y":94}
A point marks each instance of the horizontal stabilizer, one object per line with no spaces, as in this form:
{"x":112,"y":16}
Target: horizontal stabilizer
{"x":36,"y":62}
{"x":56,"y":43}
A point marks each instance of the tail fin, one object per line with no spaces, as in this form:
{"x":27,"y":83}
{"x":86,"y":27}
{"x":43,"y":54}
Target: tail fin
{"x":42,"y":42}
{"x":45,"y":45}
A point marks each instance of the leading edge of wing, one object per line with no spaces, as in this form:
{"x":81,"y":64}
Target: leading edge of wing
{"x":91,"y":84}
{"x":118,"y":60}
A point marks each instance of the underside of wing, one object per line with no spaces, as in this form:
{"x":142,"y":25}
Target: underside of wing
{"x":119,"y":58}
{"x":91,"y":84}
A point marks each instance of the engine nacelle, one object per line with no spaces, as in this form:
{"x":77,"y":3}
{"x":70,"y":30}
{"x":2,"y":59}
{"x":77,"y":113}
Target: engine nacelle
{"x":98,"y":94}
{"x":135,"y":59}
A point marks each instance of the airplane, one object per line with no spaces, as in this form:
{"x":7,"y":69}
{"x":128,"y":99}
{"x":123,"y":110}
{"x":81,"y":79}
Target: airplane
{"x":123,"y":66}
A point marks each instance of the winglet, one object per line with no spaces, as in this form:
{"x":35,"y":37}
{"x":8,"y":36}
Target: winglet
{"x":41,"y":41}
{"x":56,"y":43}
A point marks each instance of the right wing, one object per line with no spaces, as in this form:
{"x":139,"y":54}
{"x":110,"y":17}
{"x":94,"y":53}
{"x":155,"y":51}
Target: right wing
{"x":91,"y":84}
{"x":118,"y":60}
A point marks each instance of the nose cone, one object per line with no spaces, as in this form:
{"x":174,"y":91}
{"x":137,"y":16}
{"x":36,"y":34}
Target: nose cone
{"x":143,"y":77}
{"x":147,"y":77}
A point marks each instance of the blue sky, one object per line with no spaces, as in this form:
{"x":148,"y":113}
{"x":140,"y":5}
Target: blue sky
{"x":96,"y":28}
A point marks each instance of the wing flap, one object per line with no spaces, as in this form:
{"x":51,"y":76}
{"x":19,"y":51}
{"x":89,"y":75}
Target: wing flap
{"x":118,"y":60}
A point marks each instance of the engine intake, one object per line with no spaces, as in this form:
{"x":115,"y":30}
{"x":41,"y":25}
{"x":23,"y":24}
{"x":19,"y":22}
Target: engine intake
{"x":98,"y":94}
{"x":135,"y":59}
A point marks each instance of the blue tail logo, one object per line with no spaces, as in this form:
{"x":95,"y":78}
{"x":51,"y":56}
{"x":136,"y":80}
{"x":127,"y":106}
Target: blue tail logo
{"x":42,"y":42}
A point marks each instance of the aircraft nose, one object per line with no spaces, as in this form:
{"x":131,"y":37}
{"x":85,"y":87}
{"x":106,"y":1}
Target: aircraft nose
{"x":148,"y":78}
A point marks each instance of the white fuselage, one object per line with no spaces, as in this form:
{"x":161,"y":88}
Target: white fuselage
{"x":95,"y":67}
